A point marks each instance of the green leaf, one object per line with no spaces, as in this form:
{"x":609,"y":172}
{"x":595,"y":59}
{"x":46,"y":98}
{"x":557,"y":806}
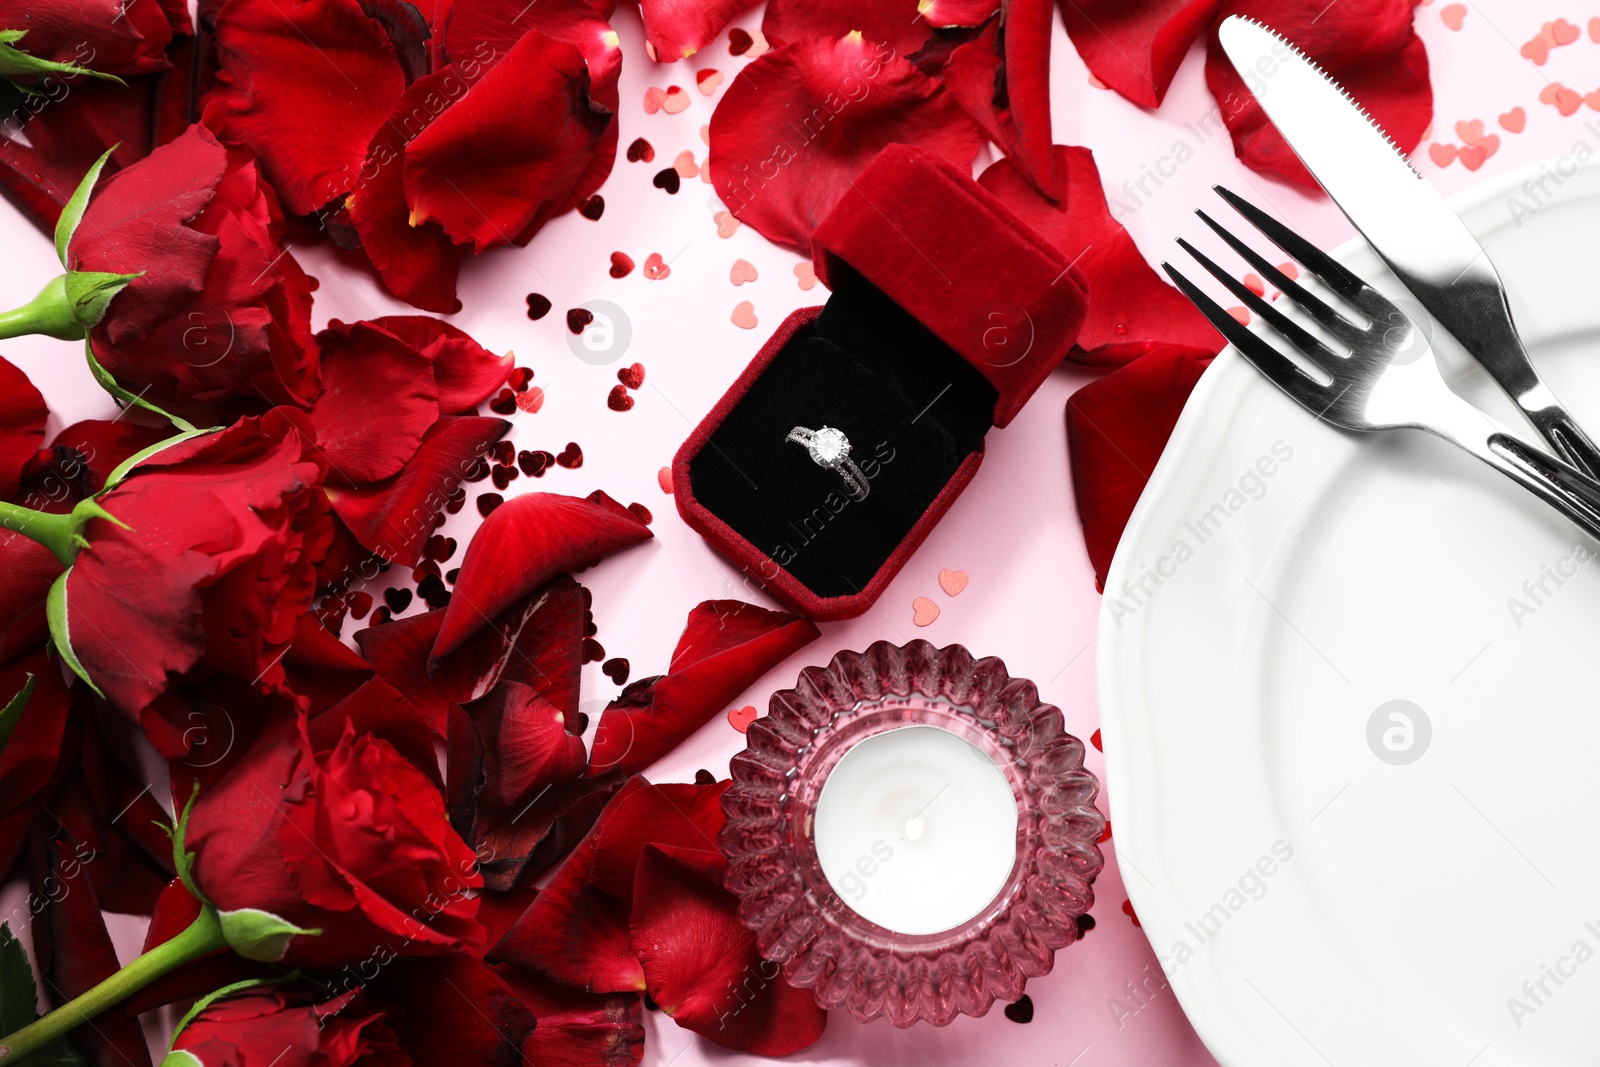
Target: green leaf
{"x":15,"y":63}
{"x":18,"y":999}
{"x":259,"y":935}
{"x":55,"y":613}
{"x":77,"y":203}
{"x":18,"y":996}
{"x":109,"y":384}
{"x":227,"y":991}
{"x":123,"y":469}
{"x":13,"y":711}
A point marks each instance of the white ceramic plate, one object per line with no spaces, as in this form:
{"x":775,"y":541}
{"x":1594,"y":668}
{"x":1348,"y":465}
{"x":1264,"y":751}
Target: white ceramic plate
{"x":1352,"y":735}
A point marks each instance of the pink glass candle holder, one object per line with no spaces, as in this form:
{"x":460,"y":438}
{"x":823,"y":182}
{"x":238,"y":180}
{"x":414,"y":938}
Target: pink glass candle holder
{"x":800,"y":919}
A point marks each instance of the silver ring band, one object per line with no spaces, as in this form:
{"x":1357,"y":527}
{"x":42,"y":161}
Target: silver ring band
{"x":830,"y":449}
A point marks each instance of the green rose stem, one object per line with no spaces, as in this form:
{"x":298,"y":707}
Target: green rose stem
{"x":203,"y":937}
{"x":68,"y":307}
{"x":62,"y":533}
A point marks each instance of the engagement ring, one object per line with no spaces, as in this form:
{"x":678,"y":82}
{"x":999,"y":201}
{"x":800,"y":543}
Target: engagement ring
{"x":830,"y":448}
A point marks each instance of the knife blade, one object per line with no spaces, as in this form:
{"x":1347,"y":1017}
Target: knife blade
{"x":1402,"y":216}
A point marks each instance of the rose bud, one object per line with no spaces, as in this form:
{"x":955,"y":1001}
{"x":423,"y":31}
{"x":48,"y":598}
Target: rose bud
{"x":178,"y":276}
{"x":201,"y":557}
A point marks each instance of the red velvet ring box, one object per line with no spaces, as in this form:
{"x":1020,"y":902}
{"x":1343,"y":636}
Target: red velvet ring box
{"x":947,"y":312}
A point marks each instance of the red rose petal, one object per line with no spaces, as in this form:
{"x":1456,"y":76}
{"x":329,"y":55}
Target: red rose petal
{"x":1368,"y":46}
{"x":1007,"y":89}
{"x":694,"y":949}
{"x":525,"y":543}
{"x":538,"y":641}
{"x":1116,"y":430}
{"x":897,"y":103}
{"x":465,"y":372}
{"x":487,"y":190}
{"x":680,"y":28}
{"x":417,"y":260}
{"x":725,"y":647}
{"x":307,"y":86}
{"x":573,"y":932}
{"x":1131,"y":310}
{"x":366,"y":369}
{"x":394,"y":517}
{"x":22,"y":417}
{"x":579,"y":1029}
{"x":898,"y":23}
{"x":1135,"y":48}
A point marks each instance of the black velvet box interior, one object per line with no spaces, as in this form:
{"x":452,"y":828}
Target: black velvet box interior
{"x":913,"y":409}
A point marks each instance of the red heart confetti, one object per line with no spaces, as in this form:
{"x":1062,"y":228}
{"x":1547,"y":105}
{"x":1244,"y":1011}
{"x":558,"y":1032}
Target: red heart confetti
{"x":708,"y":80}
{"x":640,"y":151}
{"x":742,"y":271}
{"x":664,"y":480}
{"x":1453,"y":14}
{"x":538,"y":306}
{"x":675,"y":100}
{"x":618,"y":399}
{"x":744,"y":315}
{"x":924,"y":611}
{"x":621,"y":264}
{"x":532,"y":400}
{"x":667,"y":179}
{"x":953,"y":582}
{"x":632,"y":376}
{"x":726,"y":224}
{"x":655,"y":268}
{"x":593,"y":207}
{"x":1514,"y":121}
{"x":578,"y":319}
{"x":741,"y":718}
{"x":571,"y":457}
{"x":806,"y":275}
{"x":685,"y":165}
{"x":1442,"y":154}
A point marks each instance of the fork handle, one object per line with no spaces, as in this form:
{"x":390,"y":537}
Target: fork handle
{"x":1559,"y":484}
{"x":1569,"y":441}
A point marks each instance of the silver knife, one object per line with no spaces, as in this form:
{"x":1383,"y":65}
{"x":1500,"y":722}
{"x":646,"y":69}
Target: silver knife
{"x":1403,"y":217}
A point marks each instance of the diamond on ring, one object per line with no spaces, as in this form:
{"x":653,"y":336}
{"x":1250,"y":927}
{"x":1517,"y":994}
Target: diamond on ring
{"x":830,"y":448}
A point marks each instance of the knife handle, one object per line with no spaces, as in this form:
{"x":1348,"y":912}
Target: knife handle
{"x":1562,"y":486}
{"x":1569,"y":441}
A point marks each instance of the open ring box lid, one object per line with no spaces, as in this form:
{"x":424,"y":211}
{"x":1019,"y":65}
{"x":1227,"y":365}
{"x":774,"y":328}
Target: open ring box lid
{"x":947,"y":312}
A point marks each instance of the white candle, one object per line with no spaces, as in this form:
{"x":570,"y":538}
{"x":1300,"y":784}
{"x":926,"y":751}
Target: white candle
{"x":916,"y":829}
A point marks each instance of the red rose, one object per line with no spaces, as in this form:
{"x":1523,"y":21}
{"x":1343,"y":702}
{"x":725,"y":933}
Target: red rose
{"x":212,"y":565}
{"x":338,"y":825}
{"x":220,"y":307}
{"x":258,"y":1028}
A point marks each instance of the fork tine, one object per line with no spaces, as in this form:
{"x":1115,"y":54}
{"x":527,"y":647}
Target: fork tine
{"x":1310,"y":256}
{"x":1283,"y":371}
{"x":1296,"y":334}
{"x":1313,"y":305}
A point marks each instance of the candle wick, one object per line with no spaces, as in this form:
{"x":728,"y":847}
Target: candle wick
{"x":914,"y":826}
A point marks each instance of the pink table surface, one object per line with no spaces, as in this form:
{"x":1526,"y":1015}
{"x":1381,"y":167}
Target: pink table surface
{"x":1031,"y":599}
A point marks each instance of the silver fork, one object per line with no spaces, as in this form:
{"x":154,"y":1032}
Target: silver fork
{"x":1389,"y":380}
